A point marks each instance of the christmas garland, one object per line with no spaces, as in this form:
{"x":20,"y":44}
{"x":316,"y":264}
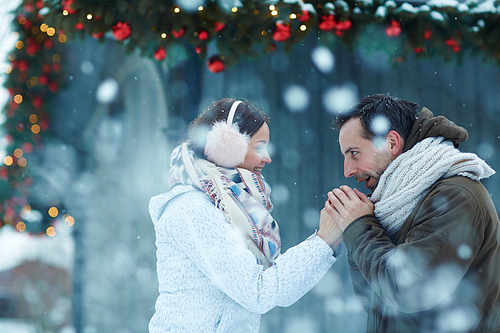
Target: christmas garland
{"x":165,"y":31}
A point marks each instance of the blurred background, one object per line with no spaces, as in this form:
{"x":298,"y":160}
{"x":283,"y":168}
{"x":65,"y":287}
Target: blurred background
{"x":116,"y":116}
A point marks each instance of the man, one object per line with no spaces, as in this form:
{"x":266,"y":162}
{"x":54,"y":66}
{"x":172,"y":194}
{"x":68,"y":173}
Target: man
{"x":424,"y":250}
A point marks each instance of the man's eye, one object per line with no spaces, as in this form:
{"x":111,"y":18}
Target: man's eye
{"x":354,"y":153}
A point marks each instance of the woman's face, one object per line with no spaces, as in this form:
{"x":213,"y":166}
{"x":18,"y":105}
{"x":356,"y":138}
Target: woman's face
{"x":257,"y":156}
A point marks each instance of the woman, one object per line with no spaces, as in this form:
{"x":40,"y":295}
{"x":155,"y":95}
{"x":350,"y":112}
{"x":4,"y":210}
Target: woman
{"x":219,"y":262}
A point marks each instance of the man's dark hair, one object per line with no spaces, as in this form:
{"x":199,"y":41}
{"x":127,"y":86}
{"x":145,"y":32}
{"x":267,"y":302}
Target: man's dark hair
{"x":401,"y":115}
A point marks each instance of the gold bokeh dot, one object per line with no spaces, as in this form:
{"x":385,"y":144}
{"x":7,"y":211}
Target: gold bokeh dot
{"x":26,"y":209}
{"x":22,"y":162}
{"x":51,"y":231}
{"x":18,"y":153}
{"x":21,"y":226}
{"x":8,"y":160}
{"x":53,"y":211}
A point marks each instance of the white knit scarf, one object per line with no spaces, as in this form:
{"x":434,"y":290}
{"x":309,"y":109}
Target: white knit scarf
{"x":243,"y":196}
{"x":410,"y":176}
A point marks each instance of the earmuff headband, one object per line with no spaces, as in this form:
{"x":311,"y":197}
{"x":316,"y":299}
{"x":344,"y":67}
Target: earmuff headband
{"x":232,"y":112}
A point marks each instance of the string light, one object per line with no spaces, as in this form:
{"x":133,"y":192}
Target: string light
{"x":61,"y":38}
{"x":18,"y":152}
{"x":274,"y":12}
{"x":33,"y":118}
{"x":65,"y":12}
{"x":163,"y":35}
{"x":51,"y":231}
{"x":18,"y":99}
{"x":51,"y":31}
{"x":44,"y":27}
{"x":8,"y":160}
{"x":19,"y":44}
{"x":293,"y":16}
{"x":272,"y":7}
{"x":89,"y":16}
{"x":22,"y":162}
{"x":69,"y":220}
{"x":53,"y":211}
{"x":21,"y":226}
{"x":177,"y":10}
{"x":234,"y":9}
{"x":56,"y":58}
{"x":26,"y":209}
{"x":303,"y":27}
{"x":22,"y":20}
{"x":8,"y":69}
{"x":35,"y":129}
{"x":200,"y":8}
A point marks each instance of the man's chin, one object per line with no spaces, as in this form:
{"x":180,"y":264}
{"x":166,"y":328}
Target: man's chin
{"x":371,"y":184}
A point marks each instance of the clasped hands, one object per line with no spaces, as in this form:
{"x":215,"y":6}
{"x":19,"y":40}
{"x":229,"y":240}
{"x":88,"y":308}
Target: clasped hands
{"x":344,"y":206}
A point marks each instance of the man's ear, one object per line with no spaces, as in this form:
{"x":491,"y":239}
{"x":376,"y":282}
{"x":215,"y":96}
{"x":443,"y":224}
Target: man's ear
{"x":396,"y":142}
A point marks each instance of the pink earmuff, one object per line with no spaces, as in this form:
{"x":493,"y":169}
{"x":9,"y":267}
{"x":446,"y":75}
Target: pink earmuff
{"x":226,"y":146}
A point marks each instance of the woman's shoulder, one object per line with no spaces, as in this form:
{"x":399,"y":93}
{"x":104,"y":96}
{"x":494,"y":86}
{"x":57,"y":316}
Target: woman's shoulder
{"x":181,"y":199}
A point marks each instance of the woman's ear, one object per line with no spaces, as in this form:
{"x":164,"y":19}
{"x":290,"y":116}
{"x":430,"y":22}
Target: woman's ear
{"x":396,"y":143}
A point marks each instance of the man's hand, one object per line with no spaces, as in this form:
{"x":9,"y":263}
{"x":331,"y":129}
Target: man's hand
{"x":345,"y":205}
{"x":329,"y":230}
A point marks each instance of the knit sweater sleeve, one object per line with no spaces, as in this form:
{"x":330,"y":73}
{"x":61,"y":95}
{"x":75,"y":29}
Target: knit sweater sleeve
{"x":199,"y":229}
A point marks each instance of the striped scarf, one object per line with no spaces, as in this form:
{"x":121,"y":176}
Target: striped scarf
{"x":243,"y":196}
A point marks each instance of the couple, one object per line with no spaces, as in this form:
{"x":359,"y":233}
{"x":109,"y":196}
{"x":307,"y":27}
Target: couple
{"x":423,"y":250}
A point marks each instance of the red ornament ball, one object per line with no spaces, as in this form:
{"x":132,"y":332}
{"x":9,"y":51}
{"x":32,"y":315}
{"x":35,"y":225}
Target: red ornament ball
{"x":427,"y":34}
{"x":160,"y":53}
{"x":281,"y":32}
{"x":345,"y":25}
{"x":179,"y":33}
{"x":27,"y":147}
{"x":394,"y":30}
{"x":48,"y":43}
{"x":219,"y":26}
{"x":203,"y":35}
{"x":304,"y":16}
{"x":53,"y":87}
{"x":37,"y":102}
{"x":215,"y":64}
{"x":327,"y":22}
{"x":97,"y":35}
{"x":453,"y":44}
{"x":198,"y":49}
{"x":43,"y":79}
{"x":121,"y":31}
{"x":28,"y":8}
{"x":79,"y":26}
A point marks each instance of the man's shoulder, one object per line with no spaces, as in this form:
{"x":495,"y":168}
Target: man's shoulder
{"x":465,"y":188}
{"x":459,"y":183}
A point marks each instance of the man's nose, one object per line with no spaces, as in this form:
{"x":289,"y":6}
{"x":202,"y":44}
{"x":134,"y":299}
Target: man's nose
{"x":349,"y":169}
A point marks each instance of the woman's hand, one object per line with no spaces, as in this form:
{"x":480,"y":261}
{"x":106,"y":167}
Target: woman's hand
{"x":345,"y":205}
{"x":329,"y":230}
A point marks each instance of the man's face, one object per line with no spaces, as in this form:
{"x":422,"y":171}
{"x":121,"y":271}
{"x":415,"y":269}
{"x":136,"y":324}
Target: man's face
{"x":362,"y":159}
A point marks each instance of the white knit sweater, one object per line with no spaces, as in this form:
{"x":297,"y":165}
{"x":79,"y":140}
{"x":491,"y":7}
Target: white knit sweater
{"x":209,"y":281}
